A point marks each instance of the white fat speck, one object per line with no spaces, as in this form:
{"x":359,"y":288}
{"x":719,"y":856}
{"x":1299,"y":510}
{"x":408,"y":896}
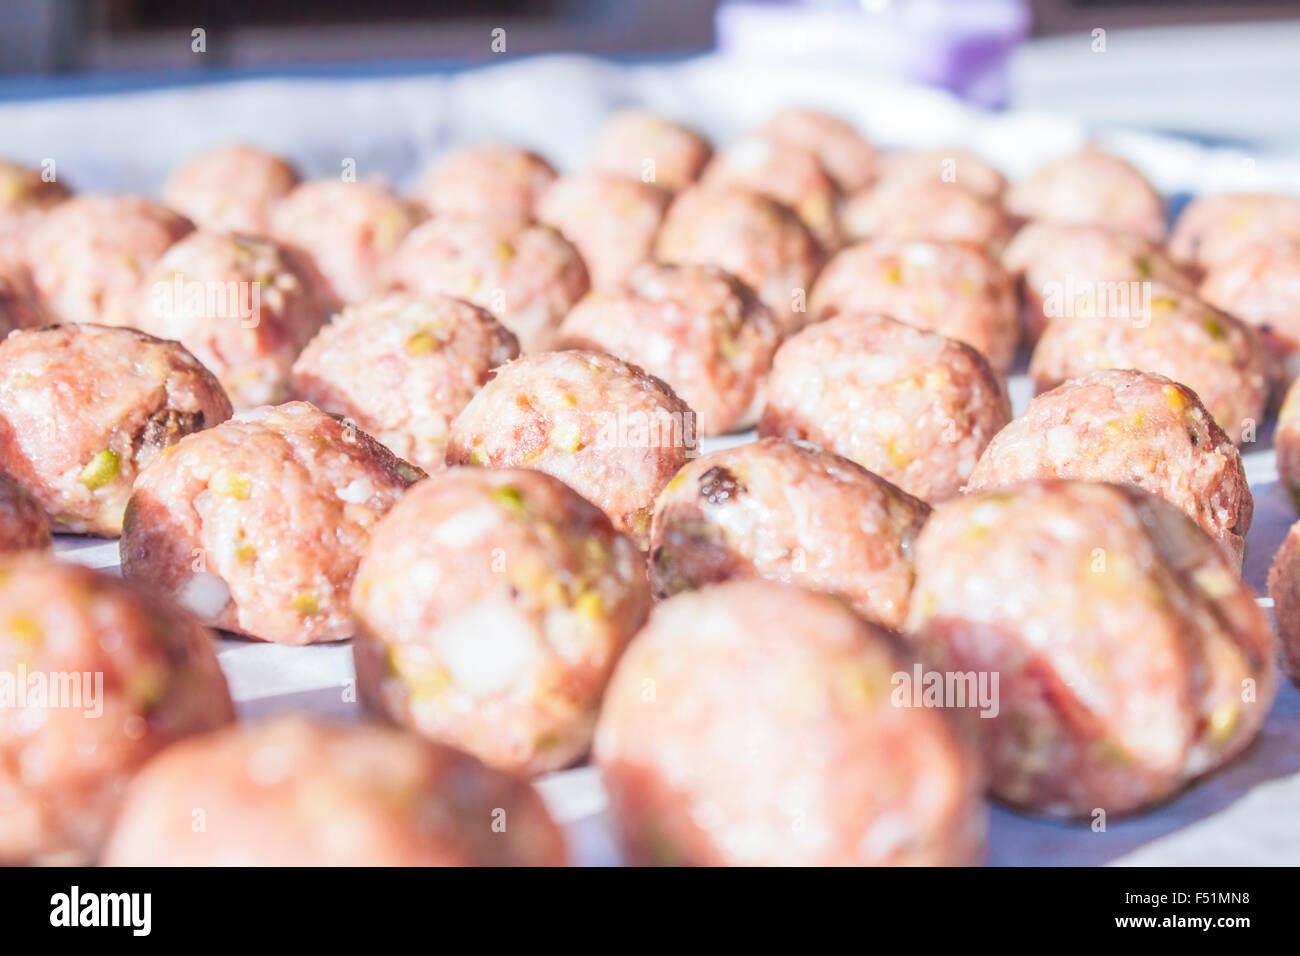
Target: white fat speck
{"x":467,"y":527}
{"x":357,"y":491}
{"x":205,"y":594}
{"x":1062,"y":444}
{"x":488,"y":648}
{"x":919,"y":254}
{"x":889,"y":833}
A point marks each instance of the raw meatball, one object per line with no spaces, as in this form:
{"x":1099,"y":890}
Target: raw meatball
{"x":83,"y":409}
{"x":696,"y":327}
{"x":952,"y":289}
{"x":1261,"y":285}
{"x":528,"y":276}
{"x":492,"y":181}
{"x":945,"y":166}
{"x":240,"y":305}
{"x":25,"y":196}
{"x":912,"y":406}
{"x":612,"y":221}
{"x":1215,"y":229}
{"x":787,"y":173}
{"x":89,"y":256}
{"x":757,"y":240}
{"x":753,"y":723}
{"x":491,"y":606}
{"x":849,"y":159}
{"x":1132,"y":427}
{"x":1284,"y":588}
{"x":927,"y":209}
{"x":402,"y":366}
{"x":788,"y":511}
{"x":231,"y":188}
{"x":257,"y":525}
{"x":23,"y":524}
{"x":120,"y":674}
{"x":295,"y":791}
{"x":1286,"y":441}
{"x":347,"y":231}
{"x":643,"y":146}
{"x":1094,"y":188}
{"x":1170,"y":332}
{"x":607,"y":429}
{"x":1067,"y":270}
{"x":19,"y":306}
{"x":1131,"y":656}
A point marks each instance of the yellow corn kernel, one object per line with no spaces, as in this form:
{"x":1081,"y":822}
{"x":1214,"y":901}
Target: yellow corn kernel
{"x":510,"y":498}
{"x":229,"y":484}
{"x":1223,"y":721}
{"x":567,"y":436}
{"x":423,"y":342}
{"x":305,"y":603}
{"x":100,"y":470}
{"x":589,"y":605}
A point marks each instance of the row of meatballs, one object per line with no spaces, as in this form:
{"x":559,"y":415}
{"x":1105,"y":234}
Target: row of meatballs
{"x":491,"y":605}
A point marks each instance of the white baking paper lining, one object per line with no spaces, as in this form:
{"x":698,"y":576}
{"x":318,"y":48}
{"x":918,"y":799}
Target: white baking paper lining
{"x":1247,"y":813}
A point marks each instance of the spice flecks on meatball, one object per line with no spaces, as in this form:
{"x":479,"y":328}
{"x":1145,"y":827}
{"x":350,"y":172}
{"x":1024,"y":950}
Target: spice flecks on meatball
{"x":696,"y":327}
{"x":83,"y":409}
{"x":402,"y":366}
{"x":1132,"y":657}
{"x":911,"y":406}
{"x":528,"y":276}
{"x":607,"y":429}
{"x":257,"y":525}
{"x":491,"y":607}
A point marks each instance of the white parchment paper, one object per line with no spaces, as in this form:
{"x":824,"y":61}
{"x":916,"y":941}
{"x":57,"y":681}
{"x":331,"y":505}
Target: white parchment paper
{"x":1248,"y":813}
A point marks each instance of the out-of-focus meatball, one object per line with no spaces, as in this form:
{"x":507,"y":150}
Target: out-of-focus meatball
{"x":753,"y":723}
{"x":1067,"y":270}
{"x":239,"y":304}
{"x":912,"y":406}
{"x":232,"y":187}
{"x":1091,"y":187}
{"x":1215,"y":229}
{"x":926,"y":209}
{"x":347,"y":231}
{"x":696,"y":327}
{"x":607,"y":429}
{"x":611,"y":220}
{"x":1131,"y":656}
{"x":491,"y":606}
{"x":24,"y":525}
{"x":493,"y":181}
{"x":294,"y":791}
{"x":257,"y":525}
{"x":1261,"y":285}
{"x":1128,"y":427}
{"x":757,"y":240}
{"x":1286,"y":442}
{"x":1168,"y":331}
{"x":120,"y":674}
{"x":942,"y":165}
{"x":785,"y":172}
{"x":792,"y":512}
{"x":89,"y":256}
{"x":402,"y":366}
{"x":948,"y":288}
{"x":844,"y":153}
{"x":1284,"y":588}
{"x":650,"y":148}
{"x":19,"y":306}
{"x":528,"y":276}
{"x":83,"y":409}
{"x":26,"y":194}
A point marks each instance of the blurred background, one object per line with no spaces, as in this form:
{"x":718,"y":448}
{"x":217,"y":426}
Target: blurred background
{"x":1217,"y":70}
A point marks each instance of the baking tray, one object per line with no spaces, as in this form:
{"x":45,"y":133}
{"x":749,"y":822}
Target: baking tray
{"x":1246,"y":813}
